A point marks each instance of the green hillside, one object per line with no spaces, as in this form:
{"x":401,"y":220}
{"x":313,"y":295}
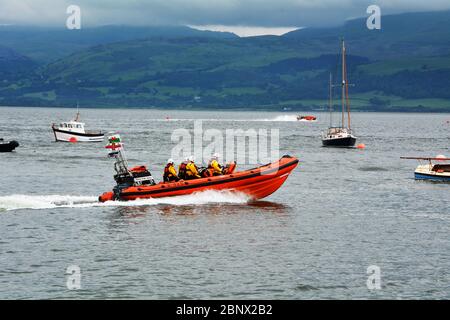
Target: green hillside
{"x":45,"y":44}
{"x":403,"y":67}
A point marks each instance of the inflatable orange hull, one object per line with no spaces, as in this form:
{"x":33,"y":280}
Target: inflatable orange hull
{"x":257,"y":183}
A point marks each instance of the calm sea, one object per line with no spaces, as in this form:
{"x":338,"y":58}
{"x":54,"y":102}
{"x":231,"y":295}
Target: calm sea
{"x":340,"y":212}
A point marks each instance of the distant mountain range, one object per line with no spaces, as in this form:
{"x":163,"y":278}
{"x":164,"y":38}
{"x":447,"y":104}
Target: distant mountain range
{"x":405,"y":66}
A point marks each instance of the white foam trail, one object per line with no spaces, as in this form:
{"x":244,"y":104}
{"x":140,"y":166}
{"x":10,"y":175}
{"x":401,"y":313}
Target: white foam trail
{"x":22,"y":201}
{"x":18,"y":201}
{"x":285,"y":117}
{"x":279,"y":118}
{"x":198,"y":198}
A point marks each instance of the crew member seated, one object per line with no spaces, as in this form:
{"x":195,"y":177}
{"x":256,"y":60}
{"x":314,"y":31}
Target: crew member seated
{"x":170,"y":174}
{"x":214,"y":165}
{"x":182,"y":169}
{"x":192,"y":170}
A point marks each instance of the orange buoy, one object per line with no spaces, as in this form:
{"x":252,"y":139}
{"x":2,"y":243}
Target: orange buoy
{"x":361,"y":146}
{"x":73,"y":140}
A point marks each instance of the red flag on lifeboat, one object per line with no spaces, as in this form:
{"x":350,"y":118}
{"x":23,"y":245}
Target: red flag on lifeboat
{"x":115,"y":143}
{"x":114,"y":146}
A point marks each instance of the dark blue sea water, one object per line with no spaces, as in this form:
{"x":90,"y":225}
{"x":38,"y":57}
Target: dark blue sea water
{"x":341,"y":211}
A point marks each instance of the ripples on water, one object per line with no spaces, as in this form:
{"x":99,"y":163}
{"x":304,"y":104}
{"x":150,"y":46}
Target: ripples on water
{"x":339,"y":212}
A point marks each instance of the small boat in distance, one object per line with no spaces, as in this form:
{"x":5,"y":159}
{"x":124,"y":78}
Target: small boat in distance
{"x":307,"y":118}
{"x":73,"y":131}
{"x":8,"y":146}
{"x":341,"y":136}
{"x":430,"y":170}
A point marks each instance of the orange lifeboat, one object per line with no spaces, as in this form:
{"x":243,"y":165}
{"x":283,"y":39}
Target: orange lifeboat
{"x":306,"y":118}
{"x":257,"y":183}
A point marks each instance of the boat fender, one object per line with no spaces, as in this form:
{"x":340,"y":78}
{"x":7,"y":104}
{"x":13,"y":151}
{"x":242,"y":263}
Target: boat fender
{"x":230,"y":167}
{"x":107,"y":196}
{"x":139,"y":169}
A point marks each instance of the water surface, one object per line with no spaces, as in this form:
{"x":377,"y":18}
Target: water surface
{"x":339,"y":212}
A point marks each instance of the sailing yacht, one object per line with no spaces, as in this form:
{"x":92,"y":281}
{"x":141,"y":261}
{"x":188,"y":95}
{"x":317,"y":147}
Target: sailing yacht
{"x":341,"y":136}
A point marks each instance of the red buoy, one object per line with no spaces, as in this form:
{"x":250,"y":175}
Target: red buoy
{"x":361,"y":146}
{"x":73,"y":140}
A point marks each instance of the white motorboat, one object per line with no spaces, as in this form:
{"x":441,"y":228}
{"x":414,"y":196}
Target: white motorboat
{"x":437,"y":168}
{"x":74,"y":131}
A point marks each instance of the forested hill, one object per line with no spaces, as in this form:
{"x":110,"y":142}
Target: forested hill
{"x":405,"y":66}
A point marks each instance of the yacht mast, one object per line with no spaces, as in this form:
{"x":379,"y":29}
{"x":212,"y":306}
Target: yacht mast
{"x":343,"y":84}
{"x":347,"y":100}
{"x":330,"y":102}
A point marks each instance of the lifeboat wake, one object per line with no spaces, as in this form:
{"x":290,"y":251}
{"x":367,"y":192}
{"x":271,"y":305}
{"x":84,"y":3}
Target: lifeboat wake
{"x":36,"y":202}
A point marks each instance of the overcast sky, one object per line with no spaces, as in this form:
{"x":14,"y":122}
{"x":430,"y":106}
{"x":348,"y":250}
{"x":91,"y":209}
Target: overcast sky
{"x":242,"y":13}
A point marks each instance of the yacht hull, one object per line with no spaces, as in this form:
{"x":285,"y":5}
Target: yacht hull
{"x":339,"y":142}
{"x":432,"y":176}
